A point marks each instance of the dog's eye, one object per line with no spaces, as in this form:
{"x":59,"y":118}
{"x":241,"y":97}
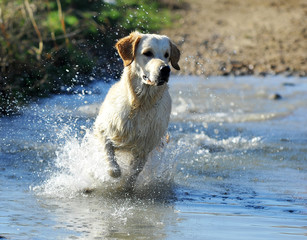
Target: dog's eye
{"x":166,"y":55}
{"x":148,"y":54}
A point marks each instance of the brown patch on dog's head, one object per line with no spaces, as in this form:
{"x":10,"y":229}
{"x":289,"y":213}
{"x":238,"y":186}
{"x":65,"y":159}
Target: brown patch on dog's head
{"x":175,"y":56}
{"x":126,"y":47}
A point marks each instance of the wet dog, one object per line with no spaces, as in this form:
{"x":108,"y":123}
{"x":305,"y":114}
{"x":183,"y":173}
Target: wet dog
{"x":135,"y":113}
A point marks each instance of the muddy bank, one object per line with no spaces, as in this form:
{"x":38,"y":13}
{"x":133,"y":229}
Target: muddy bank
{"x":221,"y":37}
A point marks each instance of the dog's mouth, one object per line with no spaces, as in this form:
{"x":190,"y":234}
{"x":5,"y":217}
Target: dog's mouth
{"x":160,"y":82}
{"x":148,"y":81}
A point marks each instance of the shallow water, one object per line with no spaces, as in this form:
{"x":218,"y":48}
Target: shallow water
{"x":235,"y":167}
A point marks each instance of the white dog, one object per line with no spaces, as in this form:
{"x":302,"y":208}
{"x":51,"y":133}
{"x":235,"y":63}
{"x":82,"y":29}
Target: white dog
{"x":135,"y":113}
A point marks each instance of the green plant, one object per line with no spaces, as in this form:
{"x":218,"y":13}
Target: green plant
{"x":49,"y":44}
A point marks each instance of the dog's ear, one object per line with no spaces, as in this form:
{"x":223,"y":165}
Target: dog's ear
{"x":126,"y":47}
{"x":175,"y":56}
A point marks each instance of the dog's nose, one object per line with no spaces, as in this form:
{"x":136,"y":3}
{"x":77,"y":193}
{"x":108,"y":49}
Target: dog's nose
{"x":165,"y":71}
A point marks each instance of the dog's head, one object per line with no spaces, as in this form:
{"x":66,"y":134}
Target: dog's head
{"x":151,"y":54}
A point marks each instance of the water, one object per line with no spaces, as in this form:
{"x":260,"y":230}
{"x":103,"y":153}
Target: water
{"x":235,"y":167}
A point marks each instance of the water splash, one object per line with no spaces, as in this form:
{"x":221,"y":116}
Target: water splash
{"x":80,"y":167}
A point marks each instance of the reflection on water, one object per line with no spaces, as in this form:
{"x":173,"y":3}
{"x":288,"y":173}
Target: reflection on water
{"x":93,"y":216}
{"x":235,"y":167}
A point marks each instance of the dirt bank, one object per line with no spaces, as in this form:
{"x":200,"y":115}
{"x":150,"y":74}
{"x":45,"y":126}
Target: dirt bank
{"x":221,"y":37}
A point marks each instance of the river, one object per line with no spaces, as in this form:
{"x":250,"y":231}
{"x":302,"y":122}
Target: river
{"x":235,"y":166}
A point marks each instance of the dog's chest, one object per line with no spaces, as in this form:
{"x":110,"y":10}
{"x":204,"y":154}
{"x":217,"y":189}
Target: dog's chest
{"x":146,"y":127}
{"x":148,"y":124}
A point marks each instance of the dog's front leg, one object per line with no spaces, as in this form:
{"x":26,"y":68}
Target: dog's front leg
{"x":136,"y":167}
{"x":114,"y":169}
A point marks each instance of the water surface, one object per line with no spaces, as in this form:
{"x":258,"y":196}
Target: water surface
{"x":235,"y":167}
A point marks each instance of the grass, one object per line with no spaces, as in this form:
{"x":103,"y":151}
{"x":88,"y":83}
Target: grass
{"x":45,"y":45}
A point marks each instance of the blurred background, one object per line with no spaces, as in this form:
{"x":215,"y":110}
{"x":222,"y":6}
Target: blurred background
{"x":48,"y":45}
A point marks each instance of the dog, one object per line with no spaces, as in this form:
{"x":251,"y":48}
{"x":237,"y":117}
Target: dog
{"x":135,"y":114}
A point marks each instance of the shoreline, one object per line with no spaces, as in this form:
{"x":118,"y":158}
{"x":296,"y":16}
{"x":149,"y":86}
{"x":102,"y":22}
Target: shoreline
{"x":235,"y":37}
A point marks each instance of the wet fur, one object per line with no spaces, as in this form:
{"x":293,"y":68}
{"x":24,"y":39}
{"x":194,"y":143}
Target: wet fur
{"x":134,"y":115}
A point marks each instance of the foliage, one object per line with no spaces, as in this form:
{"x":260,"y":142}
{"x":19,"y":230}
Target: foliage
{"x":45,"y":44}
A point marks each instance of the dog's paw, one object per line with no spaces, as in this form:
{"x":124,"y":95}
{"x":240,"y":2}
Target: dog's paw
{"x":115,"y":173}
{"x":114,"y":170}
{"x":125,"y":187}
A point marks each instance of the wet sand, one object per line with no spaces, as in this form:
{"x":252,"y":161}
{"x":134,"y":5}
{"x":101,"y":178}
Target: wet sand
{"x":221,"y":37}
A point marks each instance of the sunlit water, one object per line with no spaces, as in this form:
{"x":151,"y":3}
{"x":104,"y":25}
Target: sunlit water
{"x":235,"y":168}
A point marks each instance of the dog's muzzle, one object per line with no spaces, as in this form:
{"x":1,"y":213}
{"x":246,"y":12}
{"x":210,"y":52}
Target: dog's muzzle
{"x":148,"y":81}
{"x":163,"y":75}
